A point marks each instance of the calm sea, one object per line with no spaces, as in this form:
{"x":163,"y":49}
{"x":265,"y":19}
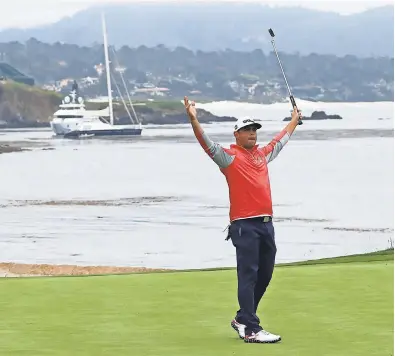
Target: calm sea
{"x":159,"y":201}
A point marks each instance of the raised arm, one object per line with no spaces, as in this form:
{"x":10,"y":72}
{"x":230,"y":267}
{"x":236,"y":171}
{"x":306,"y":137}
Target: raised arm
{"x":273,"y":148}
{"x":215,"y":151}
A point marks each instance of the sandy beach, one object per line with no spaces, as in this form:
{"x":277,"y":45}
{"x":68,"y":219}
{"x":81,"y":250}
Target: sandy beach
{"x":36,"y":270}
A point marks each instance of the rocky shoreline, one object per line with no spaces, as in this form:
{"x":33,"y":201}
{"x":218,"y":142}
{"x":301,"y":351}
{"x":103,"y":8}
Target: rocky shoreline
{"x":23,"y":146}
{"x":29,"y":107}
{"x":153,"y":118}
{"x":9,"y":148}
{"x":173,"y":117}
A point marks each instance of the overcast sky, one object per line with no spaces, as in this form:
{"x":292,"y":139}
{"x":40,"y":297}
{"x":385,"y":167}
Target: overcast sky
{"x":22,"y":14}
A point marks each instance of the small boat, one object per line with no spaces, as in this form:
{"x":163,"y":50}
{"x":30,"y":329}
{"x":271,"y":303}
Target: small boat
{"x":73,"y":120}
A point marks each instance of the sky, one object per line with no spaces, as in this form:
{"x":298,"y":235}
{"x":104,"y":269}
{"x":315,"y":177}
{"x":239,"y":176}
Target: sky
{"x":24,"y":14}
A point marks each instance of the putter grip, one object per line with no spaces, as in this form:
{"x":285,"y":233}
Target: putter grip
{"x":300,"y":122}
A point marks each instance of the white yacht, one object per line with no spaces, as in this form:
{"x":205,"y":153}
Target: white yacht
{"x":73,"y":120}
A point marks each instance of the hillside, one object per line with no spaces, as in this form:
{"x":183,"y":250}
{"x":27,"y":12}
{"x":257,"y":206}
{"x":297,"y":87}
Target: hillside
{"x":9,"y":72}
{"x":25,"y":106}
{"x":165,"y":73}
{"x":22,"y":105}
{"x":299,"y":30}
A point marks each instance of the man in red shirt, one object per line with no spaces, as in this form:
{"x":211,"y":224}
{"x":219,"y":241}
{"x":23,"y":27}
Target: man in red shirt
{"x":244,"y":166}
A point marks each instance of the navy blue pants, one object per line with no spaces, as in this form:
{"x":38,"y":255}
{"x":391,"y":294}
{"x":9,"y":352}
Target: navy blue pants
{"x":256,"y":250}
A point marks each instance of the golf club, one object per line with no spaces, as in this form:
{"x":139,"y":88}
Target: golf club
{"x":291,"y":97}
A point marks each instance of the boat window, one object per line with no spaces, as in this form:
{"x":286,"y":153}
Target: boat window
{"x":69,"y":116}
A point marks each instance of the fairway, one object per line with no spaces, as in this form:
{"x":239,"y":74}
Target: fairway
{"x":331,"y":309}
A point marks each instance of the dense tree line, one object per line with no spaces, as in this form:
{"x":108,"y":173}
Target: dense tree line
{"x":214,"y":73}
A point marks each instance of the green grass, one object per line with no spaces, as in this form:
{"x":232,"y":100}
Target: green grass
{"x":169,"y":105}
{"x":161,"y":105}
{"x":383,"y":255}
{"x":331,"y":309}
{"x":11,"y":85}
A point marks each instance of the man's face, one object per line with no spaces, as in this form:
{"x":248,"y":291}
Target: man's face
{"x":246,"y":136}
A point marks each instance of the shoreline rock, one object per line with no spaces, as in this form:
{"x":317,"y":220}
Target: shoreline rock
{"x":173,"y":117}
{"x":318,"y":115}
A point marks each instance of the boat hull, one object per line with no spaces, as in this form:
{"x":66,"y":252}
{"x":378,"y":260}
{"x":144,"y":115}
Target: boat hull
{"x":106,"y":132}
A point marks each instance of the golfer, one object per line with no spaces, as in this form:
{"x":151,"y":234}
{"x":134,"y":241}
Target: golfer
{"x":244,"y":166}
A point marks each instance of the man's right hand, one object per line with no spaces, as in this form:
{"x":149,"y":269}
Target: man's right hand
{"x":190,"y":108}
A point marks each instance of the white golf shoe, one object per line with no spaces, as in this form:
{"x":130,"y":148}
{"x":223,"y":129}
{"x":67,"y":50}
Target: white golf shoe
{"x":263,"y":337}
{"x":240,"y":328}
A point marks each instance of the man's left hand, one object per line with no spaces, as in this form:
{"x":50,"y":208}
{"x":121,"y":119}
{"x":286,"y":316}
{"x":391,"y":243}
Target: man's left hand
{"x":296,"y":114}
{"x":290,"y":128}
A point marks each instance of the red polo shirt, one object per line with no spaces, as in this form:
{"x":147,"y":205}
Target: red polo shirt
{"x":247,"y":174}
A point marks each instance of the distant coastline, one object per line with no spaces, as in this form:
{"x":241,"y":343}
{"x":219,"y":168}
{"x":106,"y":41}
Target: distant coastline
{"x":24,"y":106}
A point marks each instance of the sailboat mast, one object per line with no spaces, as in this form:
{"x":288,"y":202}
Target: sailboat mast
{"x":107,"y":69}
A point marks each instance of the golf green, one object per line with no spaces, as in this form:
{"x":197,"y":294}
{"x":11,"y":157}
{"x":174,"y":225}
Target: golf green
{"x":343,"y":308}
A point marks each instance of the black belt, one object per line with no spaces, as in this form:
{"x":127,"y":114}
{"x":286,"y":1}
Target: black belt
{"x":264,"y":219}
{"x":259,"y":218}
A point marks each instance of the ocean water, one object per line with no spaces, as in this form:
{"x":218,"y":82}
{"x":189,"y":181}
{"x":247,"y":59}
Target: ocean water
{"x":159,"y":201}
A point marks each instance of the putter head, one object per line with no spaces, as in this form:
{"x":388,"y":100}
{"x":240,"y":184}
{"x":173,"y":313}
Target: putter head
{"x":271,"y":32}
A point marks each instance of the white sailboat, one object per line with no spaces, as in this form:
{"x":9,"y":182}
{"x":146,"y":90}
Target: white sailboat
{"x":72,"y":120}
